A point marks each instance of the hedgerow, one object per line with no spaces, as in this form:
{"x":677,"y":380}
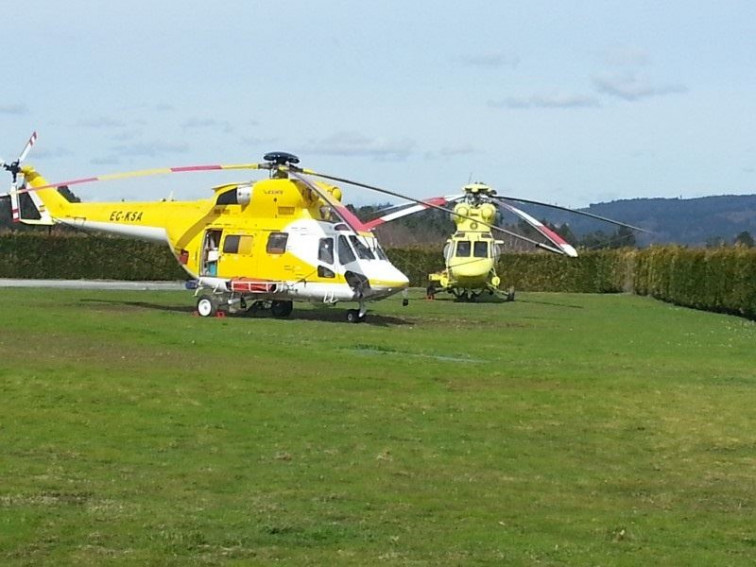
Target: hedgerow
{"x":721,"y":279}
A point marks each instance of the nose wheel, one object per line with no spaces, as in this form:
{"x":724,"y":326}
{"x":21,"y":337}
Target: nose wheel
{"x":353,"y":316}
{"x":357,"y":315}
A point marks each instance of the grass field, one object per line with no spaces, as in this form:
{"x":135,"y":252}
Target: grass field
{"x":555,"y":430}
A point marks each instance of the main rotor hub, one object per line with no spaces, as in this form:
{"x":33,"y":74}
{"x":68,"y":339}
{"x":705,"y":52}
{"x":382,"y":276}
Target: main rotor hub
{"x":479,"y":188}
{"x":281,"y":158}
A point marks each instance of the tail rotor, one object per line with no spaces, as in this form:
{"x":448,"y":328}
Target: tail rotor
{"x":15,"y":169}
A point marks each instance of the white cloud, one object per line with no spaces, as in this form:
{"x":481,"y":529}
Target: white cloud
{"x":52,"y":153}
{"x":627,"y":57}
{"x":106,"y":160}
{"x":556,"y":100}
{"x":208,"y":123}
{"x":100,"y":122}
{"x":632,"y":87}
{"x":16,"y":109}
{"x":126,"y":135}
{"x":450,"y":152}
{"x":491,"y":59}
{"x":351,"y":144}
{"x":259,"y":142}
{"x":152,"y":149}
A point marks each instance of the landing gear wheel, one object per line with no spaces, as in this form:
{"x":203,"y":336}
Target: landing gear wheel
{"x":511,"y":294}
{"x":206,"y":306}
{"x":281,"y":308}
{"x":353,"y":316}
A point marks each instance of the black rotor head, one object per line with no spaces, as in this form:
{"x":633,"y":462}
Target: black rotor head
{"x":14,"y":168}
{"x":281,"y":158}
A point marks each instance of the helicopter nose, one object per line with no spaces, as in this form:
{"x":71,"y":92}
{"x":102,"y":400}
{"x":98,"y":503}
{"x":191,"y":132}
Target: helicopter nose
{"x":386,"y":279}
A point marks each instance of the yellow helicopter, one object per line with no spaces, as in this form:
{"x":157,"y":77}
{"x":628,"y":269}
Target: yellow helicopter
{"x":262,"y":244}
{"x":472,"y":251}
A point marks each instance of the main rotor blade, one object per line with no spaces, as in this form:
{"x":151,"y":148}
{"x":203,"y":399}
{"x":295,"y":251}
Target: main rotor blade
{"x":147,"y":172}
{"x":28,"y":147}
{"x":412,"y":209}
{"x":575,"y":211}
{"x":560,"y":242}
{"x":419,"y":202}
{"x":346,"y":215}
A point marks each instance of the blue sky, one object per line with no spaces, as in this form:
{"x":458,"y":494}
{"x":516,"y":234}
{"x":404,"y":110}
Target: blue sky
{"x":567,"y":102}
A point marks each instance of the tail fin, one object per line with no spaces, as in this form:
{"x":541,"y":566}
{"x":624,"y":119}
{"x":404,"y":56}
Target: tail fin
{"x":49,"y":202}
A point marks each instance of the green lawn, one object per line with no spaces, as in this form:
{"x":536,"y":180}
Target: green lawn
{"x":556,"y":430}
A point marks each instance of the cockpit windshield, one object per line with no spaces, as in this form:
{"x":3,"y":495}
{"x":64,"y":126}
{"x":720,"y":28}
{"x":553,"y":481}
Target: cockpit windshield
{"x":480,"y":249}
{"x":363,"y":252}
{"x":463,"y":248}
{"x":378,"y":250}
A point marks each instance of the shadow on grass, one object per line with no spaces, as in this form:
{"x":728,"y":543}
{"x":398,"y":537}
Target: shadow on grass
{"x":485,"y":298}
{"x":550,"y":303}
{"x":125,"y":305}
{"x":333,"y":315}
{"x":339,"y":316}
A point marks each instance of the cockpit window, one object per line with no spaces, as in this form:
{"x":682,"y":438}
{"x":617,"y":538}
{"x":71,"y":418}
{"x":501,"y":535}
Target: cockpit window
{"x":363,"y":252}
{"x":480,"y":250}
{"x":345,"y":252}
{"x":325,"y":250}
{"x":463,"y":248}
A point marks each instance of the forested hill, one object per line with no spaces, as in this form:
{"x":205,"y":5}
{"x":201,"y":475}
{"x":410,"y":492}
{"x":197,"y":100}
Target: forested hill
{"x":696,"y":222}
{"x":684,"y":221}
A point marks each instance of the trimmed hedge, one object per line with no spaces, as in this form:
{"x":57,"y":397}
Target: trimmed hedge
{"x":722,"y":279}
{"x":37,"y":255}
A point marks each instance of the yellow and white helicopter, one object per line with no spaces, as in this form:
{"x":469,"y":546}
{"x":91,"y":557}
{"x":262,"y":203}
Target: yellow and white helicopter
{"x":472,"y":251}
{"x":258,"y":244}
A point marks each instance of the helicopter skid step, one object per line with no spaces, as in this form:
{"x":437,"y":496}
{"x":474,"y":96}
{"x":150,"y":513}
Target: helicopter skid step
{"x":255,"y":286}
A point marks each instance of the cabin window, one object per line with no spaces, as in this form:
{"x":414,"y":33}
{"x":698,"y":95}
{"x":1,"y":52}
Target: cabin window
{"x":324,"y":272}
{"x":238,"y":244}
{"x":325,"y":250}
{"x":231,"y":244}
{"x":463,"y":248}
{"x":480,"y":249}
{"x":277,"y":242}
{"x":345,"y":252}
{"x":363,"y":252}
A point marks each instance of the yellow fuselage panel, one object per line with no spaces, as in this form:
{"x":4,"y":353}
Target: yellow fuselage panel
{"x":470,"y":267}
